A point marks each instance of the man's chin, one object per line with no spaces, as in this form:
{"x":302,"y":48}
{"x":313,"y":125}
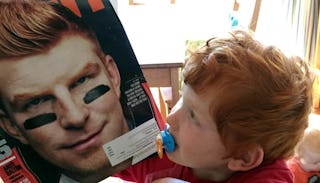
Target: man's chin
{"x":90,"y":172}
{"x":89,"y":164}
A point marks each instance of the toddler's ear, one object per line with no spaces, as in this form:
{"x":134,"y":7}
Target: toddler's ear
{"x":248,"y":160}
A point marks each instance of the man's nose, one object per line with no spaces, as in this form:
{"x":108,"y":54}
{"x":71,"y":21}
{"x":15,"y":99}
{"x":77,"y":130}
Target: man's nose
{"x":73,"y":113}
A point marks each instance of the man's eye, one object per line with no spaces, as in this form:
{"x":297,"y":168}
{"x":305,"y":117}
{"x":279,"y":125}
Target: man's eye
{"x":79,"y":82}
{"x":37,"y":101}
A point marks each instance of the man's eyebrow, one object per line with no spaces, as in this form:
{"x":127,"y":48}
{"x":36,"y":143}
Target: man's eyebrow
{"x":88,"y":68}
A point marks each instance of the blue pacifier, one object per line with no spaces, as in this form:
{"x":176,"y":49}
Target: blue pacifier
{"x":165,"y":140}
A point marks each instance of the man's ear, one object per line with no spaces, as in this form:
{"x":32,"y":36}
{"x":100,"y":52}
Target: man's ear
{"x":113,"y":73}
{"x":10,"y":128}
{"x":248,"y":160}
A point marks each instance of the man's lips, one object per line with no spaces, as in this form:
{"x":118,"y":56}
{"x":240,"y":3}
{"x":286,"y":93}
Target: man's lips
{"x":86,"y":142}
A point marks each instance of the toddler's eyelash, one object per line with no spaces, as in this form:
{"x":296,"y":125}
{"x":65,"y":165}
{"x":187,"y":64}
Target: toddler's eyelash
{"x":191,"y":114}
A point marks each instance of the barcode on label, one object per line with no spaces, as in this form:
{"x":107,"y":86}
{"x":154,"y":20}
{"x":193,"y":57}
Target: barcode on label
{"x":110,"y":151}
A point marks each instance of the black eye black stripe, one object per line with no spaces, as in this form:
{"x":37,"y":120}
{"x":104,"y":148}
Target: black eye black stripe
{"x":39,"y":120}
{"x":95,"y":93}
{"x":46,"y":118}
